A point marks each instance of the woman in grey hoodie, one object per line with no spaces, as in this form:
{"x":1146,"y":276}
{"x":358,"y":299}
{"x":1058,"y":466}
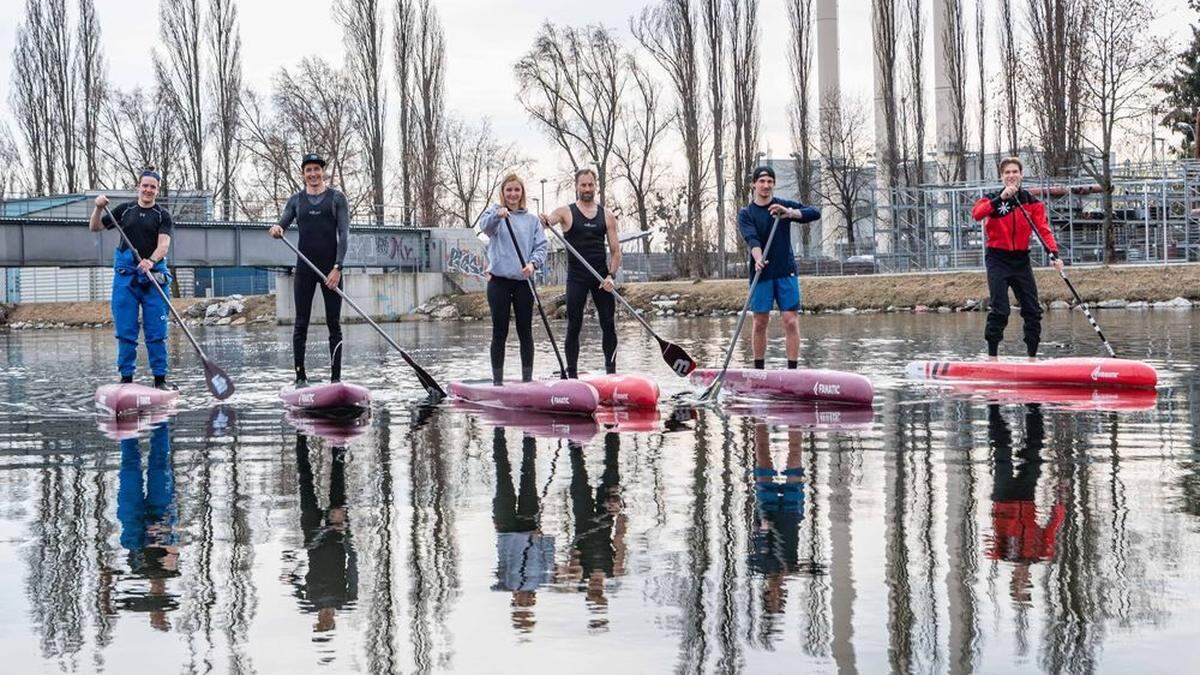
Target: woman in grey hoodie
{"x":509,"y":291}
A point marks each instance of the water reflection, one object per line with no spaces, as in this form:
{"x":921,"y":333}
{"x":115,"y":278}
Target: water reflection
{"x":149,"y":515}
{"x":598,"y":548}
{"x":524,"y":554}
{"x":779,"y":512}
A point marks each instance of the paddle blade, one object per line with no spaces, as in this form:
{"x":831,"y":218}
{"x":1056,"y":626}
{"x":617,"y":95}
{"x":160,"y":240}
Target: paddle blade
{"x":678,"y":359}
{"x":218,"y":382}
{"x":432,"y":388}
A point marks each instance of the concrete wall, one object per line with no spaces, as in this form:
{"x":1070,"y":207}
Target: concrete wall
{"x":383,"y":296}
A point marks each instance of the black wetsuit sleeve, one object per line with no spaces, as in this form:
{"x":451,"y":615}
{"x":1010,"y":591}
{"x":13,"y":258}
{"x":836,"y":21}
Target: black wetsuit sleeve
{"x":342,"y":210}
{"x":289,"y":213}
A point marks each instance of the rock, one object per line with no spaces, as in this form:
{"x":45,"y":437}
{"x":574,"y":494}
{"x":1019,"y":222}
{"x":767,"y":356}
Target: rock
{"x":212,"y":311}
{"x":848,"y":310}
{"x":1138,"y":304}
{"x":224,"y":321}
{"x":1179,"y":302}
{"x":971,"y":305}
{"x":240,"y":321}
{"x":1112,"y":304}
{"x":890,"y":308}
{"x":445,"y":312}
{"x":944,"y":310}
{"x":1060,"y":304}
{"x":920,"y":309}
{"x":868,"y":311}
{"x":673,"y":296}
{"x":238,"y":297}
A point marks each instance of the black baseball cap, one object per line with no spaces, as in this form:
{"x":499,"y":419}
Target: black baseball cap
{"x":312,"y":158}
{"x":761,"y":171}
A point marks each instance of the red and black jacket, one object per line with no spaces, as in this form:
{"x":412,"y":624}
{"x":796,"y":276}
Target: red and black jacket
{"x":1006,"y":226}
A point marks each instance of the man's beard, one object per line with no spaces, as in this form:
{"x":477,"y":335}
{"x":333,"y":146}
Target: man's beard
{"x":587,"y":197}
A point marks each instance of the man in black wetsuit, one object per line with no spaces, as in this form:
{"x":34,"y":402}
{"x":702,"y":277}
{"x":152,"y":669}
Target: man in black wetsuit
{"x":322,"y":215}
{"x":588,"y":226}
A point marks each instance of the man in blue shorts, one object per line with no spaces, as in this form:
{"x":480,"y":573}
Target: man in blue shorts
{"x":778,"y":286}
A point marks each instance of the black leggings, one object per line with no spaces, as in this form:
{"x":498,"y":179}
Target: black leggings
{"x":606,"y":307}
{"x":503,"y":295}
{"x":513,"y":511}
{"x":1007,"y":269}
{"x":306,"y":283}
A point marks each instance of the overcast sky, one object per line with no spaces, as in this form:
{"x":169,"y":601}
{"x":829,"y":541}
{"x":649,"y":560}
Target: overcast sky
{"x":484,"y":39}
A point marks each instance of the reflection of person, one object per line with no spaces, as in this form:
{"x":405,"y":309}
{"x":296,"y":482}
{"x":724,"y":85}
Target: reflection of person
{"x":148,"y":514}
{"x":1017,"y":537}
{"x":524,"y":555}
{"x":331,"y":582}
{"x":598,"y":551}
{"x":779,"y":502}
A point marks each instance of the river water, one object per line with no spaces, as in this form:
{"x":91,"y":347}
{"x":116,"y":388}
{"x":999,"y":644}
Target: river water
{"x":936,"y":533}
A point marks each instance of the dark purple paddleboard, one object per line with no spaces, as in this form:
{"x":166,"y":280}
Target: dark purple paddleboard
{"x":121,"y":400}
{"x":556,"y":396}
{"x":328,"y":398}
{"x":792,"y":385}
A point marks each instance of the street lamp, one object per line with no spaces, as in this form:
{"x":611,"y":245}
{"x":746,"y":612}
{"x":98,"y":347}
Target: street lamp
{"x":543,"y":193}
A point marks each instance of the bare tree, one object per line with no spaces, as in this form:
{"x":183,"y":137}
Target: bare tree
{"x":743,"y":21}
{"x":10,"y":156}
{"x":571,"y":83}
{"x":138,"y":134}
{"x":476,"y":161}
{"x":62,"y":78}
{"x":225,"y":54}
{"x":712,"y":20}
{"x":92,"y":87}
{"x":429,"y":95}
{"x":668,"y":32}
{"x":916,"y":91}
{"x":1122,"y":61}
{"x":980,"y":46}
{"x":884,"y":33}
{"x":179,"y":78}
{"x":955,"y":53}
{"x":1057,"y":39}
{"x":30,"y":101}
{"x":800,"y":21}
{"x":403,"y":21}
{"x":1009,"y":72}
{"x":271,"y":152}
{"x":362,"y":24}
{"x":642,"y":129}
{"x":843,"y":144}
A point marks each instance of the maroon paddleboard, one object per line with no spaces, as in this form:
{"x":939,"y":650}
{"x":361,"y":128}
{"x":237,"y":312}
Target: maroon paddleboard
{"x":801,"y":384}
{"x":121,"y":400}
{"x":557,"y":396}
{"x":331,"y":397}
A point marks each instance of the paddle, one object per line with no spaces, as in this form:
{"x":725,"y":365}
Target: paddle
{"x":218,"y":382}
{"x":562,"y":368}
{"x":673,"y":354}
{"x":1061,"y":273}
{"x":710,"y":392}
{"x":432,"y":388}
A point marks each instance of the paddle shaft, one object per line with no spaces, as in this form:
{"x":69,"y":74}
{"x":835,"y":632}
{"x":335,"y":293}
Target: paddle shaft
{"x":562,"y":367}
{"x":1078,"y":300}
{"x":737,"y":331}
{"x":387,"y":338}
{"x":159,"y":288}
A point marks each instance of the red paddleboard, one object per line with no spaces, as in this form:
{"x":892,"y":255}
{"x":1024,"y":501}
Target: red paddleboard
{"x":538,"y":424}
{"x":1087,"y":372}
{"x":327,"y":398}
{"x":1114,"y":399}
{"x":807,"y":415}
{"x":120,"y":400}
{"x":630,"y":419}
{"x":556,"y":396}
{"x":801,"y":384}
{"x":624,"y":391}
{"x":336,"y":431}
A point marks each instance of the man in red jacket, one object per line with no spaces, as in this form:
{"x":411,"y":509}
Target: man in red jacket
{"x":1007,"y":215}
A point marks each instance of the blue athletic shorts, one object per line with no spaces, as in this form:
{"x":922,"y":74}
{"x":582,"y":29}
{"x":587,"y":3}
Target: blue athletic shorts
{"x":784,"y":292}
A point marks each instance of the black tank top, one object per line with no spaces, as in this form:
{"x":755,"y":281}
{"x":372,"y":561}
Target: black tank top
{"x":317,"y":224}
{"x":589,"y":237}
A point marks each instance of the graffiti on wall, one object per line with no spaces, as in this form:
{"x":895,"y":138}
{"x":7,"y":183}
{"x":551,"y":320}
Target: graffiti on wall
{"x":466,"y":259}
{"x":385,"y":250}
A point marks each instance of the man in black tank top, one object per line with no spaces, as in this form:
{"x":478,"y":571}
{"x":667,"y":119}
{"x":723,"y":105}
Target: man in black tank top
{"x":592,"y":230}
{"x":322,"y":215}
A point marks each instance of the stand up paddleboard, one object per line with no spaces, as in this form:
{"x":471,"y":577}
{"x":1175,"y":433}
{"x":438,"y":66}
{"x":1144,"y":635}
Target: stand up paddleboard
{"x":122,"y":400}
{"x":556,"y":396}
{"x":1086,"y":372}
{"x":625,"y":391}
{"x":336,"y":431}
{"x":330,"y":399}
{"x":537,"y":424}
{"x":834,"y":386}
{"x":1074,"y":398}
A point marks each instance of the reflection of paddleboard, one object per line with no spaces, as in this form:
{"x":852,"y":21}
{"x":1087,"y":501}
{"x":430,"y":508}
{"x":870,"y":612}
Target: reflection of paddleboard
{"x":121,"y":400}
{"x":632,"y":419}
{"x":131,"y":425}
{"x":338,"y":431}
{"x":624,"y":390}
{"x":327,"y":398}
{"x":1114,"y":399}
{"x":800,"y":384}
{"x":807,"y":415}
{"x":1086,"y":372}
{"x":539,"y":424}
{"x":556,"y":396}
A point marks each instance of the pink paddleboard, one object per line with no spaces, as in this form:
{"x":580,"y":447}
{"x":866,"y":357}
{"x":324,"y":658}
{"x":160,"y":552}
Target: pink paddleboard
{"x":557,"y":396}
{"x":327,"y":397}
{"x":121,"y":400}
{"x":1087,"y":372}
{"x":624,"y":390}
{"x":801,"y":384}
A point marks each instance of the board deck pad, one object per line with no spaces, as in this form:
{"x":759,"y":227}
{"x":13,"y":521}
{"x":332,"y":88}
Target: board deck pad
{"x":1086,"y":372}
{"x":800,"y":384}
{"x":559,"y":396}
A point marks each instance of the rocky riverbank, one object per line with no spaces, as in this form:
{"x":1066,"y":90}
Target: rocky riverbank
{"x":1106,"y":288}
{"x":235,"y":310}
